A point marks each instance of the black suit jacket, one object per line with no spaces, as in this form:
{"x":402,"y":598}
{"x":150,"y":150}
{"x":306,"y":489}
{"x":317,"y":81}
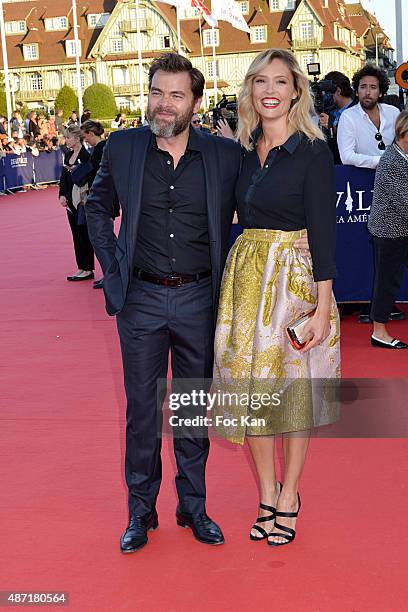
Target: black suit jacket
{"x":121,"y":172}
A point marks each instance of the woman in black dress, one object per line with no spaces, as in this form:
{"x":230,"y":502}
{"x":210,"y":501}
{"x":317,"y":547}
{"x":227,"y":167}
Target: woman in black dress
{"x":73,"y":198}
{"x":286,"y":187}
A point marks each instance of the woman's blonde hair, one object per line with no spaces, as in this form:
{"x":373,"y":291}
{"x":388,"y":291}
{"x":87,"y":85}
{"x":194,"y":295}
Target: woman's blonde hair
{"x":73,"y":130}
{"x":401,"y":125}
{"x":301,"y":111}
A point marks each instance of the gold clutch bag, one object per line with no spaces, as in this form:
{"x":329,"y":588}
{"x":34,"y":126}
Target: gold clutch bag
{"x":295,"y":330}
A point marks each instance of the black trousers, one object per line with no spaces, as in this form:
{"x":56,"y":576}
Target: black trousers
{"x":84,"y":253}
{"x":391,"y":257}
{"x":154,"y":321}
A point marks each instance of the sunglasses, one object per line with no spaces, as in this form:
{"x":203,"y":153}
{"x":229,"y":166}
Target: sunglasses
{"x":381,"y":143}
{"x":195,"y":122}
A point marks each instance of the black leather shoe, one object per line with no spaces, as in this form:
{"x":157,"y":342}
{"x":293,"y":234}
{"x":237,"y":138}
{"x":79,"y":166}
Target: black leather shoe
{"x":98,"y":284}
{"x":394,"y":344}
{"x":396,"y":314}
{"x":81,"y":278}
{"x":135,"y":536}
{"x":203,"y":528}
{"x":364,"y":318}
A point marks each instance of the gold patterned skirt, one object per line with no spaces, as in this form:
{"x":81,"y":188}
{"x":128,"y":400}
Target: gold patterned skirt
{"x":266,"y":285}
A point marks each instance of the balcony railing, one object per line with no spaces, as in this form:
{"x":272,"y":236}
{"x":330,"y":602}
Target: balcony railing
{"x":305,"y":43}
{"x":36,"y":94}
{"x":129,"y":90}
{"x":131,"y":26}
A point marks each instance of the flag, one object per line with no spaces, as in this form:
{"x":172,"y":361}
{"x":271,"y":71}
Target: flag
{"x":228,"y":10}
{"x":205,"y":12}
{"x":197,"y":4}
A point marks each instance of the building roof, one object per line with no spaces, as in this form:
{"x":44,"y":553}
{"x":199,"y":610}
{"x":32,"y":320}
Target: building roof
{"x":367,"y":25}
{"x":52,"y":47}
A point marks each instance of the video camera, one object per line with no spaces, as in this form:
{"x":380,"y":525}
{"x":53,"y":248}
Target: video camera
{"x":322,"y":91}
{"x":227,"y":109}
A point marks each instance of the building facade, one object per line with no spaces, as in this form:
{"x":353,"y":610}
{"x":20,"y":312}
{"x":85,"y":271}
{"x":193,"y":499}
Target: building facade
{"x":41,"y":47}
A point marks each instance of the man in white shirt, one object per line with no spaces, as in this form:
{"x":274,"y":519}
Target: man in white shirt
{"x":365,"y":130}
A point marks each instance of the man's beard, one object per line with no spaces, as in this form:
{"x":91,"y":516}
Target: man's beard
{"x":169,"y":128}
{"x":369,"y":104}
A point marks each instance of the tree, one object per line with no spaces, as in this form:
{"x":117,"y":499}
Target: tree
{"x":100,"y":101}
{"x":67,"y":100}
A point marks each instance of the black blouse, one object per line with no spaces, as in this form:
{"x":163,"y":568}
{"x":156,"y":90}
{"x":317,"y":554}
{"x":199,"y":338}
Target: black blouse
{"x":295,"y":189}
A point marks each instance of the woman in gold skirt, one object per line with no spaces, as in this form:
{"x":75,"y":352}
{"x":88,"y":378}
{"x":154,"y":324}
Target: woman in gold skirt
{"x":286,"y":188}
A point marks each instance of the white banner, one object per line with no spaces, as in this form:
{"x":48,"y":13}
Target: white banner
{"x":197,"y":4}
{"x":228,"y":10}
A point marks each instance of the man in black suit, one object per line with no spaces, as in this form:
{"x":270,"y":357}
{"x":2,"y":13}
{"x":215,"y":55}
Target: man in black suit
{"x":162,"y":277}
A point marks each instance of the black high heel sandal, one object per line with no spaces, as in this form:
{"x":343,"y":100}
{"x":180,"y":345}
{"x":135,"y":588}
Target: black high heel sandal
{"x":263,"y":519}
{"x":289,"y":534}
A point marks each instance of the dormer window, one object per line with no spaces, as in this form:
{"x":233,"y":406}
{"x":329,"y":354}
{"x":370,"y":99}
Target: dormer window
{"x":55,"y":24}
{"x":30,"y":52}
{"x":15,"y":27}
{"x":70,"y":48}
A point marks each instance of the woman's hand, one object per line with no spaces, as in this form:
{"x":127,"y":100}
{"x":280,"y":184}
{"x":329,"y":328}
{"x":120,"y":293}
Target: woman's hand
{"x":223,"y":129}
{"x":302,"y":245}
{"x":316,"y":330}
{"x":63,"y":201}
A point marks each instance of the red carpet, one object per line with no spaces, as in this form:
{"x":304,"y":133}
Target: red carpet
{"x":63,"y":499}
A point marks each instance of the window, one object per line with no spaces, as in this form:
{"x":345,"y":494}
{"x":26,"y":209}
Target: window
{"x":244,"y":7}
{"x":210,"y":69}
{"x":73,"y":79}
{"x":291,"y":4}
{"x":116,"y":45}
{"x":258,"y":34}
{"x":306,"y":30}
{"x":56,"y":23}
{"x":164,"y":42}
{"x":30,"y":51}
{"x":307,"y":58}
{"x":275,"y":5}
{"x":15,"y":27}
{"x":97,"y":20}
{"x":210,"y":36}
{"x":70,"y":48}
{"x":35,"y":81}
{"x":189,"y":13}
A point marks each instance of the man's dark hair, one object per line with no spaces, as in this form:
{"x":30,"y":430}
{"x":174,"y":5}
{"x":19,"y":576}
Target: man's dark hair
{"x":173,"y":62}
{"x":372,"y":71}
{"x":342,"y":82}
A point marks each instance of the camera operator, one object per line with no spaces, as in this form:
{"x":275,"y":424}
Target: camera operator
{"x":342,"y":100}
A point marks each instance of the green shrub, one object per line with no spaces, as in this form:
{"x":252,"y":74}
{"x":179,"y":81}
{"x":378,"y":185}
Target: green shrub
{"x":67,"y":100}
{"x":100,"y":101}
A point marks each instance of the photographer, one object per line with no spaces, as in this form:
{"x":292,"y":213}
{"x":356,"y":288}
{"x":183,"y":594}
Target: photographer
{"x":342,"y":100}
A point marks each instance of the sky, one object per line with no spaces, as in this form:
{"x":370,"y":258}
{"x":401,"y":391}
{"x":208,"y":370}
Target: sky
{"x":385,"y":12}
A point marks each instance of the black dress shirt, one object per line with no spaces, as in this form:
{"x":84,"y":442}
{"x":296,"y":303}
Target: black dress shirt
{"x":173,"y":228}
{"x":294,"y":189}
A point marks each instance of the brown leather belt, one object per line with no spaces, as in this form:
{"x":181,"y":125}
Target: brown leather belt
{"x":172,"y":280}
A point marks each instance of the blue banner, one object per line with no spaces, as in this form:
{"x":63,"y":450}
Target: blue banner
{"x":48,"y":166}
{"x":355,"y":256}
{"x":2,"y":176}
{"x":18,"y":170}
